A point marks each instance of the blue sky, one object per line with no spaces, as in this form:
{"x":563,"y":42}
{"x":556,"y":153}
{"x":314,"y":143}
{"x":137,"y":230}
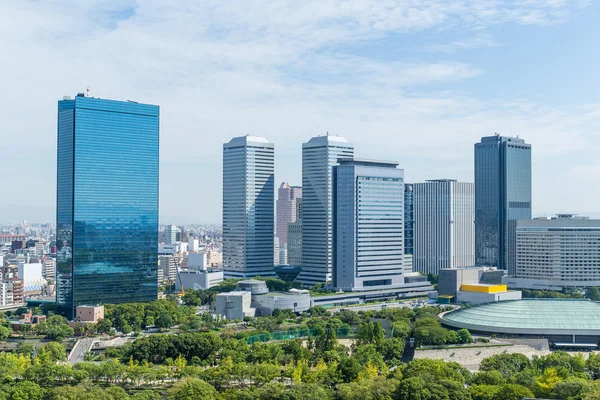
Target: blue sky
{"x":413,"y":81}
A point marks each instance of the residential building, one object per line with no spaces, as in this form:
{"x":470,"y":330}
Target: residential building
{"x":557,"y":253}
{"x":107,"y":202}
{"x":49,"y":268}
{"x":248,"y":204}
{"x":502,"y":196}
{"x":169,"y":268}
{"x":6,"y":294}
{"x":319,"y":155}
{"x":368,"y":225}
{"x":443,"y":225}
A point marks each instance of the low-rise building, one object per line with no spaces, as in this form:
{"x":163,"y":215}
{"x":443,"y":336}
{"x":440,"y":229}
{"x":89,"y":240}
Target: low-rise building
{"x":485,"y":293}
{"x":557,"y":253}
{"x":235,"y":305}
{"x":89,"y":313}
{"x":198,"y":279}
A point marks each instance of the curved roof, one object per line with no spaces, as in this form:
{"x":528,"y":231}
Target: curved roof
{"x":532,"y":316}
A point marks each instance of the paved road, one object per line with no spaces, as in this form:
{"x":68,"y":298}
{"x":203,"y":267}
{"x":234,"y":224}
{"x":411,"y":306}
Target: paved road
{"x":81,"y":347}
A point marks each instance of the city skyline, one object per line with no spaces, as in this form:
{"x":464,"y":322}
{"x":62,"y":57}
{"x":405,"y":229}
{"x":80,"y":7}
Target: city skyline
{"x":418,"y":89}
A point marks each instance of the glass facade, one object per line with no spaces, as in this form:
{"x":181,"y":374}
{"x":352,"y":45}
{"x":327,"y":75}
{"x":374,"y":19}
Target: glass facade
{"x":368,"y":225}
{"x":502,"y":197}
{"x":319,"y":155}
{"x":248,"y":203}
{"x":107,"y":203}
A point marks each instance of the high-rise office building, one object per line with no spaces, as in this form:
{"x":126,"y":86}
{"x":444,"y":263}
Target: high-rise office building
{"x":171,"y":234}
{"x":286,"y":213}
{"x":368,"y":225}
{"x":319,"y":155}
{"x":408,"y":227}
{"x":248,"y":205}
{"x":107,"y":202}
{"x":294,"y":246}
{"x":502,"y":196}
{"x":444,"y":231}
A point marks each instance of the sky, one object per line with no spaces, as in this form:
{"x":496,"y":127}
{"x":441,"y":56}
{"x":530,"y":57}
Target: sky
{"x":415,"y":81}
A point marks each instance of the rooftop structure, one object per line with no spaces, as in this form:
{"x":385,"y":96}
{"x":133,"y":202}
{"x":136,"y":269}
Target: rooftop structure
{"x":561,"y":320}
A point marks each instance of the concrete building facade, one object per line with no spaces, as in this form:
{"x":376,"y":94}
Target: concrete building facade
{"x":319,"y":155}
{"x":557,"y":253}
{"x":444,"y":231}
{"x":368,"y":225}
{"x":248,"y":203}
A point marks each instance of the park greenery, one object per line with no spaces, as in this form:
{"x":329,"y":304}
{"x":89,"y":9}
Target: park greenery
{"x":196,"y":355}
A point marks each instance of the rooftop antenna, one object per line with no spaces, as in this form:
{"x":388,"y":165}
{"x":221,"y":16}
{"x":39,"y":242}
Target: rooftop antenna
{"x":87,"y":92}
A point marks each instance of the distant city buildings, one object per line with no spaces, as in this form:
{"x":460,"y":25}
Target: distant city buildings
{"x":368,"y":225}
{"x":171,"y":234}
{"x":107,"y":202}
{"x":287,"y":200}
{"x":294,"y":238}
{"x":443,"y":225}
{"x":248,"y":205}
{"x":502,"y":196}
{"x":556,"y":253}
{"x":319,"y":155}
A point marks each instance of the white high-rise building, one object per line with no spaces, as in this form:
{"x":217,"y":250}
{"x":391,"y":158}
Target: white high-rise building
{"x":368,"y":225}
{"x":319,"y":155}
{"x":248,"y":205}
{"x":444,"y":225}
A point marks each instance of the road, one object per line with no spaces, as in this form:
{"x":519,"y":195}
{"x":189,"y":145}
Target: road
{"x":379,"y":306}
{"x":81,"y":347}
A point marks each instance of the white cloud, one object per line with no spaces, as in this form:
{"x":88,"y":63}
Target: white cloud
{"x":283,"y":69}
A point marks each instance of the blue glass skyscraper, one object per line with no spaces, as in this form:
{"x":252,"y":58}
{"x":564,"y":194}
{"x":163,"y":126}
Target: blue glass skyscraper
{"x":502,"y":197}
{"x":107,"y":202}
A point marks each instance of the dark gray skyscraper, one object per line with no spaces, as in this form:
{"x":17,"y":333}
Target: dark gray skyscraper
{"x":502,"y":196}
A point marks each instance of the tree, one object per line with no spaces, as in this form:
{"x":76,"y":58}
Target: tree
{"x":104,"y":325}
{"x":464,"y":336}
{"x":483,"y":392}
{"x":56,"y":351}
{"x":192,"y":389}
{"x":378,"y":388}
{"x":594,"y":293}
{"x":506,"y":364}
{"x":26,"y":390}
{"x":572,"y":388}
{"x":488,"y":378}
{"x":513,"y":392}
{"x":4,"y":332}
{"x":413,"y":389}
{"x":164,"y":321}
